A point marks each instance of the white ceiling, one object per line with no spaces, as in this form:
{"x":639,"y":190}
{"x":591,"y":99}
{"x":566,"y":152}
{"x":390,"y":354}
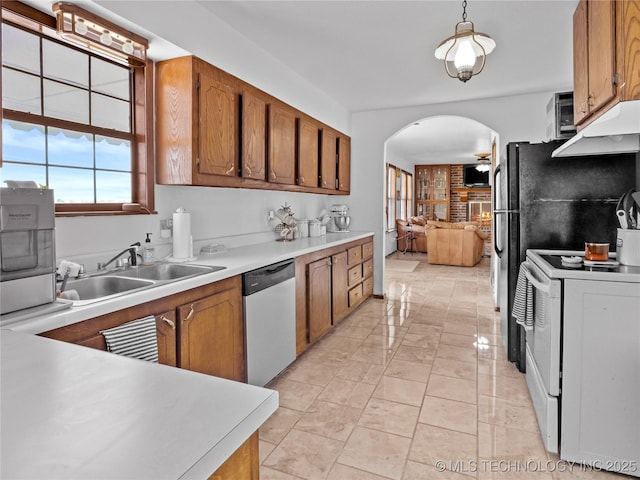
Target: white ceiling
{"x":378,"y":54}
{"x":442,"y":139}
{"x":373,"y":54}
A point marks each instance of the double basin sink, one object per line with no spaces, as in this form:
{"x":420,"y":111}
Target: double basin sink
{"x":119,"y":282}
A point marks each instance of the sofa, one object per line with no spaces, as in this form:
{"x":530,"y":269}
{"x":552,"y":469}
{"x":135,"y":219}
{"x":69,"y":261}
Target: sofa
{"x":459,"y":244}
{"x":412,"y":235}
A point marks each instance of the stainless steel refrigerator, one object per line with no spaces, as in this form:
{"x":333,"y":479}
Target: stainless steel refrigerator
{"x":554,"y":203}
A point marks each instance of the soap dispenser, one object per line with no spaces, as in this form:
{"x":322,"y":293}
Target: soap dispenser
{"x":148,"y":252}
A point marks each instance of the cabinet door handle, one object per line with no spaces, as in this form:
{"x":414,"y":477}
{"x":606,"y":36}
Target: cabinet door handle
{"x":301,"y":179}
{"x":273,"y":175}
{"x":191,"y":312}
{"x":230,"y":170}
{"x":248,"y":169}
{"x":168,"y":321}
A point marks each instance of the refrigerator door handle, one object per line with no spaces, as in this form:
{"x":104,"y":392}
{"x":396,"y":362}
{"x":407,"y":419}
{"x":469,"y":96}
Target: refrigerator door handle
{"x":499,"y":251}
{"x":496,"y":185}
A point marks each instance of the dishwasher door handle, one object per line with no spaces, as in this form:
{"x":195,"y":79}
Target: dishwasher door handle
{"x":277,"y":269}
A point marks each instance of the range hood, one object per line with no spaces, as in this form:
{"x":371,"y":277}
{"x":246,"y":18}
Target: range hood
{"x":616,"y":131}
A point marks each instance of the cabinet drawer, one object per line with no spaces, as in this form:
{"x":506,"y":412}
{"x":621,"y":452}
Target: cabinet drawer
{"x":354,"y":255}
{"x":355,"y":274}
{"x":367,"y":250}
{"x":367,"y":268}
{"x":367,"y":287}
{"x":355,"y":295}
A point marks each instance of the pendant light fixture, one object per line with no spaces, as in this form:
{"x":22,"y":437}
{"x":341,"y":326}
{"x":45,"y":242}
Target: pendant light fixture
{"x":464,"y":53}
{"x":484,"y":164}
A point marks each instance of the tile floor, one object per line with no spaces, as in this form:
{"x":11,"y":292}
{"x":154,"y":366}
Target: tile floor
{"x":415,"y":386}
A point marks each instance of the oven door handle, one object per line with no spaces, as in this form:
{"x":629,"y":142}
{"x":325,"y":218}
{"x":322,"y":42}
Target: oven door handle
{"x":538,"y":285}
{"x":550,"y":288}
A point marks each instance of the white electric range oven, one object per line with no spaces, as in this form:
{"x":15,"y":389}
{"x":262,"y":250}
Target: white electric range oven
{"x":583,"y":360}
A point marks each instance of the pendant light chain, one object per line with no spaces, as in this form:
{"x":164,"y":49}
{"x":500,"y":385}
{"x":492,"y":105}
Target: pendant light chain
{"x":464,"y":10}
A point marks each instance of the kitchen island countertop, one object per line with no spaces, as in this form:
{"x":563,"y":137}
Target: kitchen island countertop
{"x":77,"y":413}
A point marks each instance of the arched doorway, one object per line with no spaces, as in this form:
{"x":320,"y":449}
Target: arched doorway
{"x":449,"y":140}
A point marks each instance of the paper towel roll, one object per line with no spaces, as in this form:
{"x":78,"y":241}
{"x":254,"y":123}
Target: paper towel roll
{"x":181,"y":234}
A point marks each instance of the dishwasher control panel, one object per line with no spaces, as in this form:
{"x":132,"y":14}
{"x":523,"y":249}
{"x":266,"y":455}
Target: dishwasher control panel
{"x":265,"y":277}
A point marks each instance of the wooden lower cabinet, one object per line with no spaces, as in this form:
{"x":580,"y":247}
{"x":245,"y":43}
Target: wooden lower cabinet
{"x":209,"y":340}
{"x":166,"y":334}
{"x":319,"y":298}
{"x":211,"y":334}
{"x":335,"y":281}
{"x":340,"y":296}
{"x":243,"y":464}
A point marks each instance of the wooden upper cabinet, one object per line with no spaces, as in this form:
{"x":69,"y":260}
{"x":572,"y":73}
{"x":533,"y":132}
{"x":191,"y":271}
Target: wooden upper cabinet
{"x":176,"y":140}
{"x":328,"y":159}
{"x":213,"y":129}
{"x":580,"y":63}
{"x":628,"y":33}
{"x":212,"y":335}
{"x":606,"y":56}
{"x":218,"y":122}
{"x":197,"y":123}
{"x":344,"y":164}
{"x":307,"y":152}
{"x":602,"y":47}
{"x":282,"y":144}
{"x":254,"y":137}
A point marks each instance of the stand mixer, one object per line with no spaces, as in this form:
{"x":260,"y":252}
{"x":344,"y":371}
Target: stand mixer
{"x":339,"y":219}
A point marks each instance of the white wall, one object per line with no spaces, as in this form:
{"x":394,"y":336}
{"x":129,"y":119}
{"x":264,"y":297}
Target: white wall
{"x":216,"y":214}
{"x":516,"y":118}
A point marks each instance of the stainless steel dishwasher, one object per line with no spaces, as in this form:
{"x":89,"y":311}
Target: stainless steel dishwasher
{"x":269,"y":298}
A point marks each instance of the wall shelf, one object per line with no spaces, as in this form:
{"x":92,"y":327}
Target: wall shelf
{"x":464,"y":192}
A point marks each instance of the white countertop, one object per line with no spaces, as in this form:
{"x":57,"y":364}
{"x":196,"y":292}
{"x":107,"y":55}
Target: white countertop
{"x":622,"y":273}
{"x":235,"y":260}
{"x":77,"y":413}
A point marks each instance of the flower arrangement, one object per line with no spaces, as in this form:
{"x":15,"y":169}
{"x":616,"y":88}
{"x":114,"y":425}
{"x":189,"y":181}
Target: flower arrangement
{"x":287,"y":227}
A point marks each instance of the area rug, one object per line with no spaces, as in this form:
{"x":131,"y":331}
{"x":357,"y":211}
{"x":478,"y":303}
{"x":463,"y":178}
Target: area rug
{"x":401,"y":265}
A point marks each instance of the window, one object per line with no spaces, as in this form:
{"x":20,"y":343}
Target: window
{"x":73,"y":120}
{"x":391,"y":197}
{"x":399,"y":204}
{"x":406,"y":195}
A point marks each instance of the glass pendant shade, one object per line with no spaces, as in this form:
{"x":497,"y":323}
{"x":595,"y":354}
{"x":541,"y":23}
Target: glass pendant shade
{"x":484,"y":164}
{"x":465,"y":52}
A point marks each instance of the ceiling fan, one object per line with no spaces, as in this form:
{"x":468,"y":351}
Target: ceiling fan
{"x":484,"y":164}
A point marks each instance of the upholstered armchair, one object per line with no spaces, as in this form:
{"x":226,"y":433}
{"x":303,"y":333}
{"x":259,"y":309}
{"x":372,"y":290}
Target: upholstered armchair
{"x":459,"y":244}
